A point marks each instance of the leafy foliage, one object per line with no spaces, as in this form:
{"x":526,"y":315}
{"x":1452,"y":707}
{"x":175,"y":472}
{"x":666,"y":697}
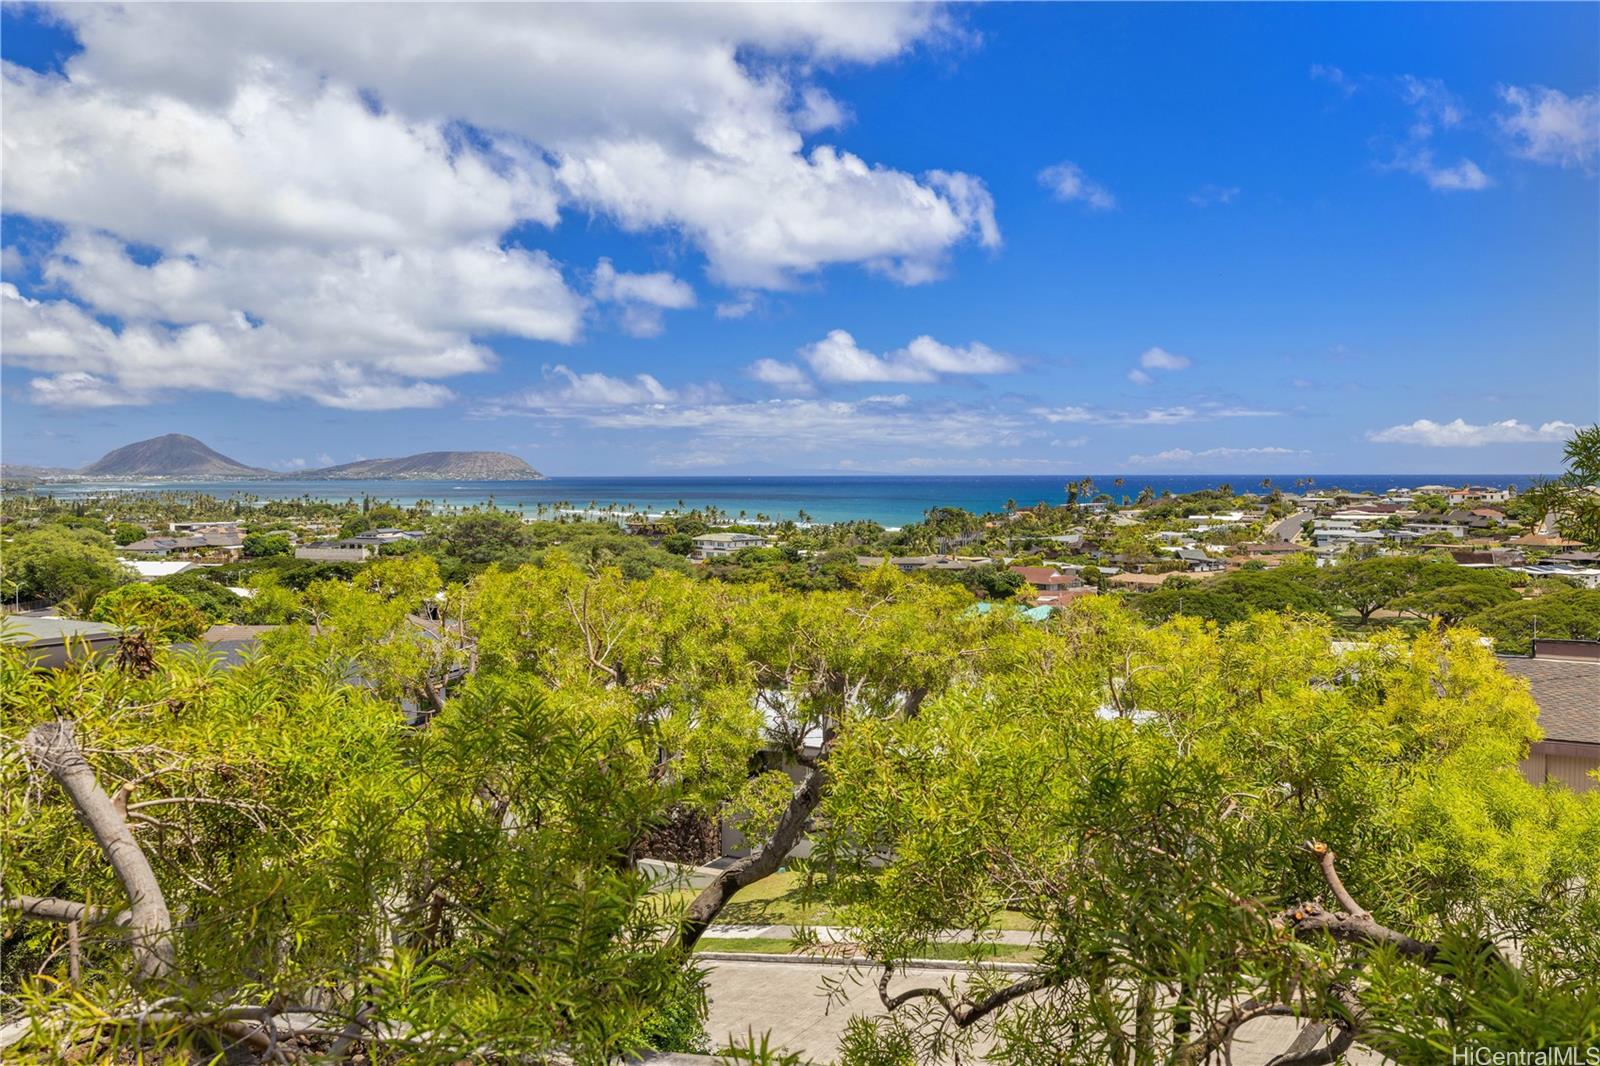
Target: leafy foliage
{"x":155,"y":611}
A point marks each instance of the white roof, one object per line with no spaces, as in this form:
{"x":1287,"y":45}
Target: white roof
{"x":154,"y":568}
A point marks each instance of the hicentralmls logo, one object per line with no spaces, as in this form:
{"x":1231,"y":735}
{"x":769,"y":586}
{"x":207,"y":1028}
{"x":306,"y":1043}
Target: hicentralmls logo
{"x":1565,"y":1055}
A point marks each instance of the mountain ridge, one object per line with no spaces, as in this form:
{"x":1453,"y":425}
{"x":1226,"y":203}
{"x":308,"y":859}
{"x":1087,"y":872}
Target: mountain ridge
{"x":466,"y":466}
{"x":180,"y":455}
{"x":171,"y":454}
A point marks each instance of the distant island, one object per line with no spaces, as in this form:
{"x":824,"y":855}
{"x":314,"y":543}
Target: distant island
{"x":177,"y":455}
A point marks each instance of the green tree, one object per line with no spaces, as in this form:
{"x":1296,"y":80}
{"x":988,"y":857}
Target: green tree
{"x":1568,"y":614}
{"x":215,"y":601}
{"x":993,"y":582}
{"x":126,"y":533}
{"x":1367,"y":586}
{"x":1574,"y":498}
{"x":53,"y":562}
{"x":262,"y":545}
{"x":159,"y":613}
{"x":1208,"y":824}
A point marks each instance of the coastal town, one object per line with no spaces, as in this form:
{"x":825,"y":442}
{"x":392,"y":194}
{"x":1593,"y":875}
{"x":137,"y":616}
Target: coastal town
{"x":1479,"y":555}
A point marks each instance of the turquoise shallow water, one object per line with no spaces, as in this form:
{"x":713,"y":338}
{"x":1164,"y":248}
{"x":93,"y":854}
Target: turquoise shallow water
{"x":891,"y":500}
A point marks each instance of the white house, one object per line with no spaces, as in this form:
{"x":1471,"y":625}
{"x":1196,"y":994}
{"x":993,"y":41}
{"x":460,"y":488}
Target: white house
{"x":711,"y":545}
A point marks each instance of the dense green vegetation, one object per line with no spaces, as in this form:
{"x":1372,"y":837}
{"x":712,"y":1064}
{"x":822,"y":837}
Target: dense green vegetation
{"x":412,"y":818}
{"x":469,"y":886}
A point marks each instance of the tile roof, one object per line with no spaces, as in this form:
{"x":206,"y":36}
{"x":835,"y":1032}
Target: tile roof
{"x":1568,"y":694}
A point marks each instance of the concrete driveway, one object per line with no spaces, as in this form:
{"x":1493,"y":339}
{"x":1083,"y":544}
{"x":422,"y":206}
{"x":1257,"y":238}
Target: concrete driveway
{"x":787,"y":1000}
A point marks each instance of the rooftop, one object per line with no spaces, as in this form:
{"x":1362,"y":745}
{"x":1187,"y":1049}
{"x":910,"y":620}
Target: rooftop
{"x":1567,"y":691}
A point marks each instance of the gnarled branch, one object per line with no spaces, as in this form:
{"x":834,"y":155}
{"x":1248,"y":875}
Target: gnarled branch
{"x":54,"y":747}
{"x":752,"y":868}
{"x":963,"y":1011}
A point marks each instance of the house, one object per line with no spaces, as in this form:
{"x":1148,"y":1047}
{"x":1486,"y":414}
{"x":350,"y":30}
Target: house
{"x":377,"y":538}
{"x":1486,"y":493}
{"x":332,"y":553}
{"x":908,"y":563}
{"x":150,"y":569}
{"x":55,"y":641}
{"x":1197,"y":561}
{"x":714,"y":545}
{"x":1564,"y":678}
{"x":1436,"y":527}
{"x":1341,"y":537}
{"x":195,"y":528}
{"x":199,"y":544}
{"x":1048,"y":578}
{"x":1487,"y":556}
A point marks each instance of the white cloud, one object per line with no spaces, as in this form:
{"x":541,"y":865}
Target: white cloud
{"x":1333,"y":76}
{"x":1433,"y":104}
{"x":1462,"y":434}
{"x":837,"y":357}
{"x":1548,"y":126}
{"x":738,"y":307}
{"x":1156,"y":359}
{"x":819,"y":111}
{"x":1184,"y":455}
{"x":1150,"y":416}
{"x":74,"y":388}
{"x":11,"y":262}
{"x":778,"y":429}
{"x":1212,"y":195}
{"x":572,"y":389}
{"x":1161,"y":359}
{"x":785,"y":376}
{"x":1067,"y":181}
{"x":287,"y":322}
{"x":342,"y":182}
{"x":642,"y":297}
{"x":1464,"y":175}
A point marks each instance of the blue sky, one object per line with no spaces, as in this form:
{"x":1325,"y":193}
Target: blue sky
{"x":659,"y":240}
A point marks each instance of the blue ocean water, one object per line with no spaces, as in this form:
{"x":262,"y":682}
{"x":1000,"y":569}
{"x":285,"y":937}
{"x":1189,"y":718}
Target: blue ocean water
{"x":890,"y":500}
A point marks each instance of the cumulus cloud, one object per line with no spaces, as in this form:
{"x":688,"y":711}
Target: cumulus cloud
{"x":1156,"y":359}
{"x":1463,"y":434}
{"x":837,"y":357}
{"x":1161,"y":359}
{"x":1464,"y":175}
{"x":641,"y":297}
{"x":1067,"y":181}
{"x":1185,"y":455}
{"x":785,"y":376}
{"x":315,"y":166}
{"x":1548,"y":126}
{"x":819,"y":111}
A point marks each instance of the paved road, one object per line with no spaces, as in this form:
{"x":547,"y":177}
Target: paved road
{"x":1289,"y":528}
{"x":788,"y":1001}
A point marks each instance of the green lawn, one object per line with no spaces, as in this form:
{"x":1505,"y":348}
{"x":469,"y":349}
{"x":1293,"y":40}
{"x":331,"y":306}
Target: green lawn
{"x":776,"y":901}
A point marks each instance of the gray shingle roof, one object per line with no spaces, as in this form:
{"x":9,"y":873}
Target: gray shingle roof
{"x":1568,"y":694}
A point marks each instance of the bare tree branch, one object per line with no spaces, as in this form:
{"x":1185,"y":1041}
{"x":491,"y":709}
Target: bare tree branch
{"x":964,"y":1011}
{"x":48,"y":909}
{"x":753,"y":867}
{"x":55,"y":748}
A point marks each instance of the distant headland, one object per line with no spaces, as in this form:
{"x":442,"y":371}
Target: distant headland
{"x":177,"y":455}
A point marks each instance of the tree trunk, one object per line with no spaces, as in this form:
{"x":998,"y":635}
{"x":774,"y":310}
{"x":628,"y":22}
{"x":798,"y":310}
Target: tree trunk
{"x":53,"y":746}
{"x":755,"y":866}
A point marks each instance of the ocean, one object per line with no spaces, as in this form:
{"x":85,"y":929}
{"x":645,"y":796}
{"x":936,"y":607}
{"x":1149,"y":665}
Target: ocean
{"x":890,"y":500}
